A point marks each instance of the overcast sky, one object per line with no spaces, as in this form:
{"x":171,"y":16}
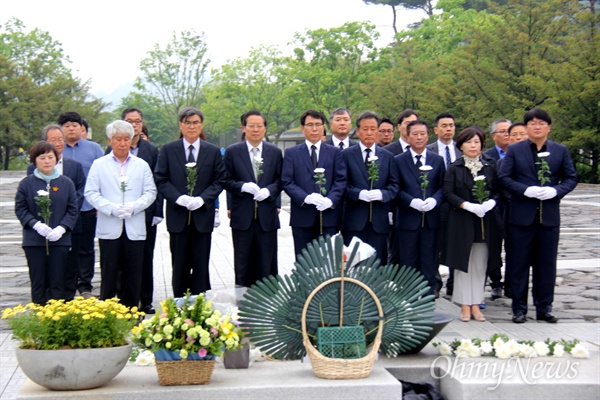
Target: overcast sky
{"x":107,"y":39}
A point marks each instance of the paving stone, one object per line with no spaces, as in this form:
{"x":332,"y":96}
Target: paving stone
{"x":572,"y":299}
{"x":592,"y":293}
{"x":587,"y":305}
{"x":567,"y":289}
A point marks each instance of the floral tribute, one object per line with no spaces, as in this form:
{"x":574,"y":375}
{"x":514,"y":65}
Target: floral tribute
{"x":76,"y":324}
{"x":500,"y":346}
{"x":190,"y":327}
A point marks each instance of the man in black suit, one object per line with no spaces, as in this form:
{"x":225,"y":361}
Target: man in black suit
{"x":366,"y":201}
{"x":534,"y":220}
{"x":313,"y":212}
{"x":190,"y":214}
{"x":501,"y":138}
{"x":340,"y":123}
{"x":74,"y":171}
{"x":404,"y":118}
{"x":418,"y":214}
{"x":386,"y":132}
{"x":253,"y":178}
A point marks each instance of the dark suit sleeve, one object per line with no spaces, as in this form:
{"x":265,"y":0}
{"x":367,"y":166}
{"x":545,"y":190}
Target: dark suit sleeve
{"x":79,"y":183}
{"x":162,"y":175}
{"x":338,"y":187}
{"x":439,"y":194}
{"x":450,"y":185}
{"x":73,"y":205}
{"x":22,"y":210}
{"x":507,"y":173}
{"x":567,"y":175}
{"x":296,"y":193}
{"x":275,"y":186}
{"x":218,"y":172}
{"x":352,"y":191}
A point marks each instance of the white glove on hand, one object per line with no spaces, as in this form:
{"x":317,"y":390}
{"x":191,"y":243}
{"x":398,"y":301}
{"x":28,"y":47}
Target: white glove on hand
{"x":474,"y":208}
{"x":127,"y":209}
{"x":195,"y":203}
{"x":183,"y":200}
{"x":417,"y":204}
{"x":121,"y":211}
{"x":217,"y":222}
{"x":364,"y":196}
{"x":532,"y":192}
{"x":312,"y":199}
{"x":547,"y":193}
{"x":41,"y":228}
{"x":262,"y":194}
{"x":250,"y":187}
{"x":324,"y":204}
{"x":375,"y":195}
{"x":488,"y":205}
{"x":156,"y":220}
{"x":56,"y":234}
{"x":429,"y":204}
{"x":391,"y":218}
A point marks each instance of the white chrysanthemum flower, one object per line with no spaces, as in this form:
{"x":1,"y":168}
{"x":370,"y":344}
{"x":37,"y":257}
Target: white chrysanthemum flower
{"x":479,"y":178}
{"x":541,"y":349}
{"x":498,"y":343}
{"x":475,"y":351}
{"x":319,"y":170}
{"x":512,"y":346}
{"x":445,"y":349}
{"x":190,"y":165}
{"x":543,"y":154}
{"x":526,"y":351}
{"x":372,"y":159}
{"x":559,"y":350}
{"x":425,"y":168}
{"x":258,"y":160}
{"x":503,"y":352}
{"x":124,"y":179}
{"x":42,"y":193}
{"x":579,"y":351}
{"x":486,"y":347}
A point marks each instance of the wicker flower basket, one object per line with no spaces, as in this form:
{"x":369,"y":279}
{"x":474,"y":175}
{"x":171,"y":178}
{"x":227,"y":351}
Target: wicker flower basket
{"x":184,"y":372}
{"x":340,"y":368}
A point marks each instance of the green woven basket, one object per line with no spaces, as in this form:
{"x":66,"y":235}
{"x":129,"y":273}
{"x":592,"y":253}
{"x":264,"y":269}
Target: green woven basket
{"x":342,"y":342}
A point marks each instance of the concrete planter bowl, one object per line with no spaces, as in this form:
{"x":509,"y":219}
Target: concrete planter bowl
{"x":440,"y":320}
{"x":73,"y":369}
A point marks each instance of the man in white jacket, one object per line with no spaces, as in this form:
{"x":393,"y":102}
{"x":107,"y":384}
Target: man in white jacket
{"x":120,"y":186}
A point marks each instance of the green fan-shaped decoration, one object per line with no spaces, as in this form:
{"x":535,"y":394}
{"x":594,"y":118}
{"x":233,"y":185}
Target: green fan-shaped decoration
{"x":271,"y":310}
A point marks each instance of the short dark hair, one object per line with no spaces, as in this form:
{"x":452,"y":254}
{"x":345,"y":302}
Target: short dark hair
{"x":385,"y":121}
{"x":537,"y":113}
{"x":414,"y":123}
{"x":510,"y":128}
{"x":70,"y":116}
{"x":405,"y":114}
{"x":443,"y":115}
{"x":47,"y":128}
{"x":469,"y":133}
{"x":41,"y":147}
{"x":85,"y":123}
{"x":367,"y":115}
{"x":190,"y":112}
{"x":314,"y":114}
{"x":145,"y":131}
{"x":244,"y":117}
{"x":130,"y":110}
{"x":339,"y":111}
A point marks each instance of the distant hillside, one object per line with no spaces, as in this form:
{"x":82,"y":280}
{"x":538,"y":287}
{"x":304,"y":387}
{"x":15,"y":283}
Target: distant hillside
{"x":114,"y":98}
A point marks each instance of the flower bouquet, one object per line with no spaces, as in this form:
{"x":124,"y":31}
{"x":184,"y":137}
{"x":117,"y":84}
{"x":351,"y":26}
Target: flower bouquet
{"x":187,"y":329}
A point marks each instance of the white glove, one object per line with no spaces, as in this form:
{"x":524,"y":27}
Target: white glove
{"x":325,"y":204}
{"x":41,"y":228}
{"x":391,"y":218}
{"x":217,"y":220}
{"x":375,"y":195}
{"x":312,"y":198}
{"x":56,"y":234}
{"x":183,"y":200}
{"x":262,"y":194}
{"x":122,"y":211}
{"x":429,"y":204}
{"x":195,"y":203}
{"x":364,"y":196}
{"x":532,"y":192}
{"x":127,"y":210}
{"x":156,"y":220}
{"x":476,"y":209}
{"x":488,"y":205}
{"x":417,"y":204}
{"x":547,"y":193}
{"x":250,"y":187}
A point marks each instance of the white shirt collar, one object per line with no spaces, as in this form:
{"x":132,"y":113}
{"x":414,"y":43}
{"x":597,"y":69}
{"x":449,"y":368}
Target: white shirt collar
{"x":259,"y":147}
{"x":336,"y":141}
{"x":403,"y":144}
{"x":423,"y":155}
{"x":196,"y":144}
{"x":309,"y":144}
{"x":363,"y":148}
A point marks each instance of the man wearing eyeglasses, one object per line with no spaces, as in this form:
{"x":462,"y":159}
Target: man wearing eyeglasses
{"x":74,"y":171}
{"x":315,"y":210}
{"x":190,"y":213}
{"x":386,"y":132}
{"x":538,"y":173}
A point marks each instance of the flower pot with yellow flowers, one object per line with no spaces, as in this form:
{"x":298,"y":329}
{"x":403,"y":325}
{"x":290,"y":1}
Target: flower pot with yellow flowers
{"x":72,"y":345}
{"x":186,"y":337}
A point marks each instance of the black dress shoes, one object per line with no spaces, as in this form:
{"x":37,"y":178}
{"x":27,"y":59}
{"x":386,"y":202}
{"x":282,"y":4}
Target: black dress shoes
{"x":519,"y":318}
{"x":148,"y":309}
{"x":496,"y":293}
{"x":546,"y":316}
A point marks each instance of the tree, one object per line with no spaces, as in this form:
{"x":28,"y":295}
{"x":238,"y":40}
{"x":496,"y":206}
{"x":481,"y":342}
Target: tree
{"x":36,"y":86}
{"x":425,"y":5}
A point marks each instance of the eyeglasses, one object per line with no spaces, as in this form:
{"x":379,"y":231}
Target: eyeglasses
{"x":132,"y":122}
{"x":386,"y":131}
{"x":57,"y":140}
{"x":194,"y":123}
{"x":311,"y":126}
{"x":255,"y":126}
{"x":501,"y":132}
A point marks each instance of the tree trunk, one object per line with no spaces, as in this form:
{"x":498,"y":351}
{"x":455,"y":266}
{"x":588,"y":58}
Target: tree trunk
{"x":6,"y":156}
{"x":394,"y":21}
{"x":595,"y":156}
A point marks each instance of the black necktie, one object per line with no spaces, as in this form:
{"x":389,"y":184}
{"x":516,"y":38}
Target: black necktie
{"x":367,"y":156}
{"x":448,"y":159}
{"x":407,"y":147}
{"x":191,"y":154}
{"x":313,"y":155}
{"x":418,"y":163}
{"x":341,"y":145}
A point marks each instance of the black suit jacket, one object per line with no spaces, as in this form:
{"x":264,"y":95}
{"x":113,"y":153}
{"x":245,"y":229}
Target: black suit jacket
{"x":395,"y":147}
{"x":171,"y":180}
{"x":239,"y":170}
{"x":74,"y":171}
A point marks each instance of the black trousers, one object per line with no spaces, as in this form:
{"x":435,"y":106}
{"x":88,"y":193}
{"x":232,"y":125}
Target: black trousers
{"x":190,"y":254}
{"x":536,"y":247}
{"x":148,"y":265}
{"x":419,"y":251}
{"x":46,"y":272}
{"x":254,"y":254}
{"x":85,"y":249}
{"x":121,"y":269}
{"x":305,"y":235}
{"x":377,"y":240}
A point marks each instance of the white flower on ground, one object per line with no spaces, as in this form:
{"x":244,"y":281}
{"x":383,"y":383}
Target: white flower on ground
{"x":425,"y":168}
{"x":475,"y":351}
{"x":498,"y":343}
{"x":559,"y":350}
{"x":526,"y":351}
{"x":503,"y":352}
{"x":579,"y":351}
{"x":465,"y":348}
{"x":486,"y":347}
{"x":445,"y":349}
{"x":190,"y":165}
{"x":541,"y":349}
{"x":146,"y":357}
{"x":319,"y":170}
{"x":42,"y":193}
{"x":543,"y":154}
{"x":512,"y":346}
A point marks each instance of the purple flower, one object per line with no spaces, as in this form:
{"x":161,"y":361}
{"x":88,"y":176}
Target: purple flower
{"x":202,"y":352}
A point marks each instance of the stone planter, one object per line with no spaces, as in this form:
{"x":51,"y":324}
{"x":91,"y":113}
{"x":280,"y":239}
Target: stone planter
{"x":73,"y":369}
{"x":237,"y":359}
{"x":440,"y":320}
